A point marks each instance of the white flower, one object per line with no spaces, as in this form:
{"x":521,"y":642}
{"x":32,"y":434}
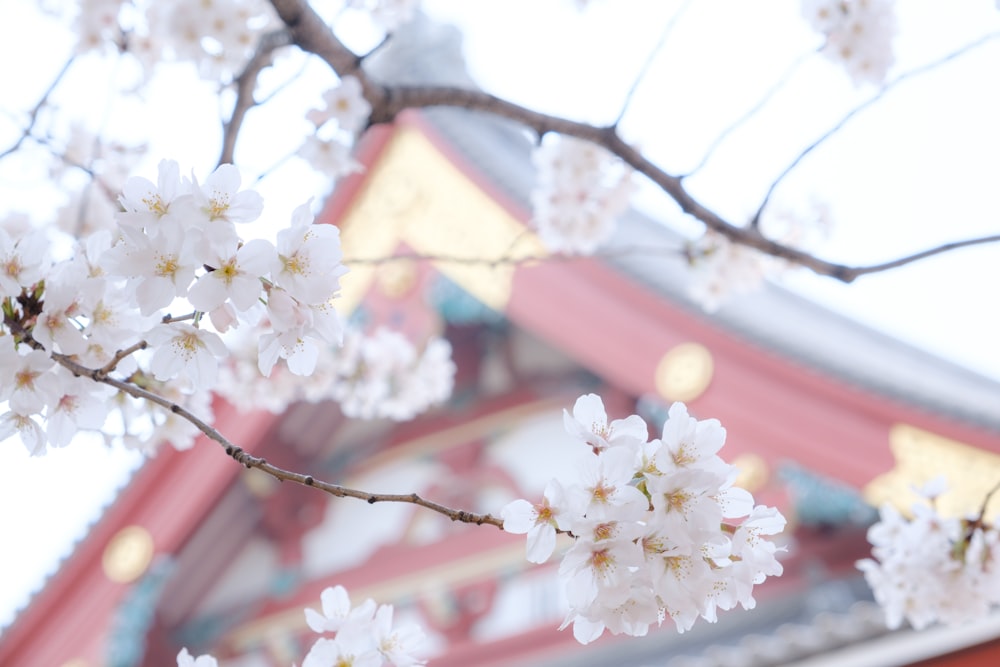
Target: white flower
{"x":299,"y":352}
{"x":157,"y":270}
{"x":235,"y":277}
{"x":309,"y":259}
{"x":23,"y":261}
{"x":346,"y":104}
{"x":146,"y":204}
{"x":77,"y":403}
{"x":330,"y":156}
{"x":858,"y":35}
{"x":20,"y":377}
{"x":397,"y":646}
{"x":650,"y":539}
{"x":337,"y":611}
{"x":23,"y":423}
{"x":184,"y":659}
{"x":589,"y":423}
{"x":340,"y":653}
{"x":539,"y":521}
{"x":183,"y":349}
{"x":580,"y":190}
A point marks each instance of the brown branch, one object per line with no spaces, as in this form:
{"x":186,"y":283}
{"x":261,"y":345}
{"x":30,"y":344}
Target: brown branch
{"x":245,"y":84}
{"x":311,"y":34}
{"x":854,"y":272}
{"x":107,"y":368}
{"x":250,"y":461}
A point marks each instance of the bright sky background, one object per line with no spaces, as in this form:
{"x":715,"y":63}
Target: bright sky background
{"x":917,"y":169}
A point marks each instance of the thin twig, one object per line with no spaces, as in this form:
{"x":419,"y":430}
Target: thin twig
{"x":667,"y":29}
{"x":765,"y":98}
{"x":861,"y":107}
{"x":311,"y":34}
{"x":245,"y":84}
{"x":109,"y":367}
{"x":33,"y":114}
{"x":513,"y":260}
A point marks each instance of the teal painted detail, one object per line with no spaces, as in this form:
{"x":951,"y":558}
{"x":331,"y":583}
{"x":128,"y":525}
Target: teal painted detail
{"x":821,"y":501}
{"x":458,"y":306}
{"x":134,"y":616}
{"x":284,"y":582}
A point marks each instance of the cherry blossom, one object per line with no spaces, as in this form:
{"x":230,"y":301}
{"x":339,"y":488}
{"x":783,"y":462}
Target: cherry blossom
{"x":589,"y":422}
{"x":858,"y":35}
{"x":580,"y":190}
{"x":345,"y":105}
{"x":656,"y":525}
{"x":235,"y":277}
{"x":185,"y":659}
{"x":365,"y":636}
{"x":931,"y":568}
{"x":182,"y":348}
{"x":540,"y":522}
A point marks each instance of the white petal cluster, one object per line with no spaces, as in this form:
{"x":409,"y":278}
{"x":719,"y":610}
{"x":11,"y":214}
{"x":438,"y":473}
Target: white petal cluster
{"x":389,"y":15}
{"x":579,"y":192}
{"x":218,"y":36}
{"x":177,"y":246}
{"x":721,"y":269}
{"x":928,"y":568}
{"x":344,"y":115}
{"x":659,"y":529}
{"x":858,"y":35}
{"x":382,"y":375}
{"x":364,"y":635}
{"x":385,"y":375}
{"x":185,"y":659}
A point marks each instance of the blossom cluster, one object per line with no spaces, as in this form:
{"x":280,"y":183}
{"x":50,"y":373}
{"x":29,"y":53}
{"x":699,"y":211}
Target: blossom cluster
{"x":656,"y":525}
{"x":219,"y":36}
{"x":579,"y":192}
{"x":384,"y":375}
{"x":722,"y":269}
{"x":177,"y":246}
{"x":858,"y":35}
{"x":930,"y":568}
{"x":345,"y":113}
{"x":372,"y":376}
{"x":363,"y":636}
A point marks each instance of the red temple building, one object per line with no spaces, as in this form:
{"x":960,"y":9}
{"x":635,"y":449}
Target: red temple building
{"x":825,"y":418}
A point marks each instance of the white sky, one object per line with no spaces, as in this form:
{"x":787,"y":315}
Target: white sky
{"x":918,"y":169}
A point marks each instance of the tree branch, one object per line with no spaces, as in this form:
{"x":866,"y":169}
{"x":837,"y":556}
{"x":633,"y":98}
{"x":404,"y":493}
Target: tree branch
{"x":245,"y":84}
{"x":854,"y":272}
{"x":311,"y":34}
{"x":250,"y":461}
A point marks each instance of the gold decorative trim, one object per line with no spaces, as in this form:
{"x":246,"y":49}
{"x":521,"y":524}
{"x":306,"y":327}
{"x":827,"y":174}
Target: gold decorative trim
{"x":753,"y":472}
{"x":128,"y":554}
{"x":415,"y":195}
{"x":921,"y":456}
{"x":684,"y":372}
